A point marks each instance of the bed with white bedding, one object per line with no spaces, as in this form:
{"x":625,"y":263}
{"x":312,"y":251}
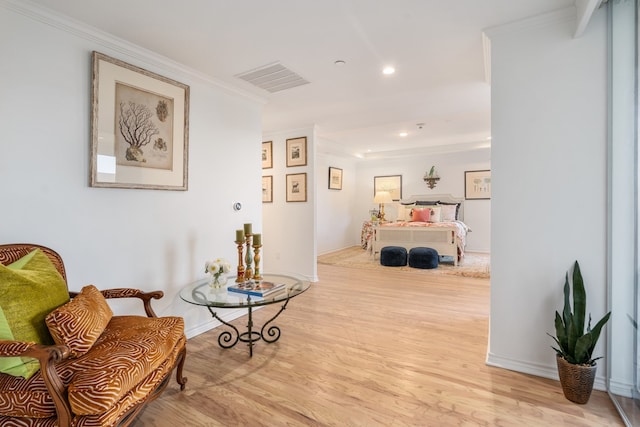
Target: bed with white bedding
{"x":432,"y":221}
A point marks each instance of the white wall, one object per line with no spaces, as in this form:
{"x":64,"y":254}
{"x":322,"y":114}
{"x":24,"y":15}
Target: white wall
{"x":450,"y":167}
{"x":335,"y":220}
{"x":148,"y":239}
{"x":289,"y":235}
{"x":549,"y":183}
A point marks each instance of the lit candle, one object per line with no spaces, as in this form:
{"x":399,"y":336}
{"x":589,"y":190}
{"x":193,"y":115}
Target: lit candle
{"x":239,"y":235}
{"x":247,"y":229}
{"x":257,"y":239}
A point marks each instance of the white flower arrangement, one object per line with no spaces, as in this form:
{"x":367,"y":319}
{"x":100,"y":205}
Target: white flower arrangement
{"x":217,"y":268}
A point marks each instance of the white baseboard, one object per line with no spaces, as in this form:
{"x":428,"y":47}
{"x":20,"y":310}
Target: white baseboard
{"x":621,"y":388}
{"x":228,"y":316}
{"x":337,"y":250}
{"x":545,"y":371}
{"x":477,"y":251}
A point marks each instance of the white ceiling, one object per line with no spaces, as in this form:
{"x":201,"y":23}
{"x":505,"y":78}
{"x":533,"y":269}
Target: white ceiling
{"x":435,"y":46}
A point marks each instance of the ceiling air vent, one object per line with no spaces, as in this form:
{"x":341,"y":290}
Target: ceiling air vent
{"x":273,"y":78}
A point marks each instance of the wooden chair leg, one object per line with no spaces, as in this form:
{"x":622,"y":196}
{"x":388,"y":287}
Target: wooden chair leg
{"x":179,"y":378}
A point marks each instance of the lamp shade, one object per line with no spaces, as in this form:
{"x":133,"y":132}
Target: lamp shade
{"x":382,"y":197}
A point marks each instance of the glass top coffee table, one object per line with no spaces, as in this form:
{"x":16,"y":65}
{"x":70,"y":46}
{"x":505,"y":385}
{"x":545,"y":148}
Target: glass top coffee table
{"x":200,"y":293}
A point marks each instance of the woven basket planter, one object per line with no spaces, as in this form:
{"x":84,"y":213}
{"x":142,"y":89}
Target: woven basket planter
{"x":576,"y":380}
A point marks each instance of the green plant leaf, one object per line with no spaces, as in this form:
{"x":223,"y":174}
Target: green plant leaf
{"x":595,"y":333}
{"x":572,"y":336}
{"x":561,"y":333}
{"x":579,"y":300}
{"x":566,"y":312}
{"x":581,"y":354}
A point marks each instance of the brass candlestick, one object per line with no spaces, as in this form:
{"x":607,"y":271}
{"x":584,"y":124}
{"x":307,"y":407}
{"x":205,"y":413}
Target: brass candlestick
{"x":248,"y":260}
{"x":240,"y":277}
{"x":256,"y":257}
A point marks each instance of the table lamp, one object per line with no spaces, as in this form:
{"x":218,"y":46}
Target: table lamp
{"x":381,"y":198}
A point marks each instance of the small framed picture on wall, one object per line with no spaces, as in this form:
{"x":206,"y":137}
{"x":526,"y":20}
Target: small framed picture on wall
{"x":267,"y":189}
{"x":390,"y":183}
{"x":297,"y":151}
{"x":267,"y":155}
{"x":297,"y":187}
{"x":477,"y":185}
{"x":335,"y":178}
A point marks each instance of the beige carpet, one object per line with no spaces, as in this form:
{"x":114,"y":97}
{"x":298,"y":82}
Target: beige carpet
{"x":473,"y":265}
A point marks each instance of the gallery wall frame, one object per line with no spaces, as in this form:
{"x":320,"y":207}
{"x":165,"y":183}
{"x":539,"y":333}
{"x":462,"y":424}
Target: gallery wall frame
{"x":335,"y":178}
{"x":477,"y":185}
{"x":139,"y":127}
{"x":296,"y":187}
{"x":297,"y":151}
{"x":267,"y":189}
{"x":390,"y":183}
{"x":267,"y":155}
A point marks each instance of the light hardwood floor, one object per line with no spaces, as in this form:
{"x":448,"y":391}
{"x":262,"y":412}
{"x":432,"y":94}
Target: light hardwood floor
{"x":364,"y":348}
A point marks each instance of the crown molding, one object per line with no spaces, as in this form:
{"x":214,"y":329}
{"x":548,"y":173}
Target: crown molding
{"x":435,"y":149}
{"x":325,"y":146}
{"x":584,"y":12}
{"x":486,"y":57}
{"x":564,"y":15}
{"x":108,"y":41}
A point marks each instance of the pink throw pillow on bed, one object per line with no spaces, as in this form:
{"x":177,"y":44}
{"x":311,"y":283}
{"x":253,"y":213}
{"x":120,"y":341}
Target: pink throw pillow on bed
{"x":421,"y":214}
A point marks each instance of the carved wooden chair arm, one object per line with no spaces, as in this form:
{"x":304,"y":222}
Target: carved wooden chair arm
{"x":48,"y":356}
{"x":146,"y":297}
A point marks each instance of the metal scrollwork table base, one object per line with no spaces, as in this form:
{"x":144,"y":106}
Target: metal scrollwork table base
{"x":199,"y":293}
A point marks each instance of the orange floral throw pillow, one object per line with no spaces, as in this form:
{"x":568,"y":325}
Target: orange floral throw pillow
{"x":81,"y":321}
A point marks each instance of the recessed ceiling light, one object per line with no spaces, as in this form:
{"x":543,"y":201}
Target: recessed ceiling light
{"x":388,"y":70}
{"x":403,"y":134}
{"x":339,"y":63}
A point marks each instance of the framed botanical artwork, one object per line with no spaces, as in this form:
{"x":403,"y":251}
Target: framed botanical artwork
{"x":139,"y":127}
{"x":477,"y":185}
{"x":390,"y":183}
{"x":335,"y":178}
{"x":297,"y":151}
{"x":267,"y":189}
{"x":297,"y":187}
{"x":267,"y":155}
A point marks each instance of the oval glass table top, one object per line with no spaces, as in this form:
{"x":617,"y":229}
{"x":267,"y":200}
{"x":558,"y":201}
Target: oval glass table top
{"x":200,"y":293}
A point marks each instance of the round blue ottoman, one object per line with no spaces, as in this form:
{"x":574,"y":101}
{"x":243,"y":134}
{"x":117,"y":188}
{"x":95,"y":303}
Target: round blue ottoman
{"x":393,"y":256}
{"x":423,"y":258}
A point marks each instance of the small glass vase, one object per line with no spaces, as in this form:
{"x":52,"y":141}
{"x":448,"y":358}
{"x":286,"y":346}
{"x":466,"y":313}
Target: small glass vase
{"x":218,"y":282}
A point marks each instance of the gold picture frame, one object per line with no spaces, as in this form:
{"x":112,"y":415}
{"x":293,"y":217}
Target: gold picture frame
{"x":390,"y":183}
{"x":267,"y":155}
{"x":267,"y":189}
{"x":335,"y":178}
{"x":139,"y":127}
{"x":297,"y":187}
{"x":297,"y":151}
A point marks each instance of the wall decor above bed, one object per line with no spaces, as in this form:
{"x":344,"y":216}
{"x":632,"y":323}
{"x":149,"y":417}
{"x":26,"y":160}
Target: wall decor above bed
{"x":477,"y":185}
{"x":390,"y":183}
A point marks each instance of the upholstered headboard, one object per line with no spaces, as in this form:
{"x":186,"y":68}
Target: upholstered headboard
{"x":446,"y":198}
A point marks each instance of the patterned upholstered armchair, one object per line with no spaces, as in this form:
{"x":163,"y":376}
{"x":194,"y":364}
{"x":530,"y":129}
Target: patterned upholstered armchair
{"x":94,"y":369}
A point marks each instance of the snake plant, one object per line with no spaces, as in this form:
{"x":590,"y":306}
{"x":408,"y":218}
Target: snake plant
{"x":574,"y":345}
